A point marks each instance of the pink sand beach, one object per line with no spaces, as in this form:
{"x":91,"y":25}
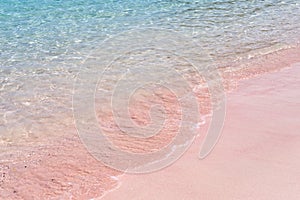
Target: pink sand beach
{"x":257,"y":156}
{"x":150,"y":99}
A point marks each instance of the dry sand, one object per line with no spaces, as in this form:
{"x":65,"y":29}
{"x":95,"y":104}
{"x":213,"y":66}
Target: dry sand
{"x":257,"y":156}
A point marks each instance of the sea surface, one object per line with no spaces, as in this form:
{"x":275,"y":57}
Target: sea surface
{"x":43,"y":42}
{"x":45,"y":45}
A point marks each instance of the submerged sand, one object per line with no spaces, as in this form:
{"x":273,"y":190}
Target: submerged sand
{"x":257,"y":156}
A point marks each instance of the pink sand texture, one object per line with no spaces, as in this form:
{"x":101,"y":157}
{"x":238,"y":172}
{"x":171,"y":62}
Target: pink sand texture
{"x":257,"y":156}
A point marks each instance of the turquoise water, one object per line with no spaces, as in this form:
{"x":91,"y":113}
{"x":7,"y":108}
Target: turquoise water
{"x":34,"y":31}
{"x":42,"y":44}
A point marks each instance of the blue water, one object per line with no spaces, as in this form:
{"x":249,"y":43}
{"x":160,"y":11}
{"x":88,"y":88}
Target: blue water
{"x":43,"y":42}
{"x":37,"y":31}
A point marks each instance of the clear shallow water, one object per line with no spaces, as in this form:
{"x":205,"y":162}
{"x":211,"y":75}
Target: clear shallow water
{"x":42,"y":45}
{"x":43,"y":42}
{"x":35,"y":32}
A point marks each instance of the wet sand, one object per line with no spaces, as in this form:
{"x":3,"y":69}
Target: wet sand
{"x":59,"y":169}
{"x":257,"y":156}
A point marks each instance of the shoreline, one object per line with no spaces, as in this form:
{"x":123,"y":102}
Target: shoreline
{"x":261,"y":66}
{"x":44,"y":156}
{"x":255,"y":158}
